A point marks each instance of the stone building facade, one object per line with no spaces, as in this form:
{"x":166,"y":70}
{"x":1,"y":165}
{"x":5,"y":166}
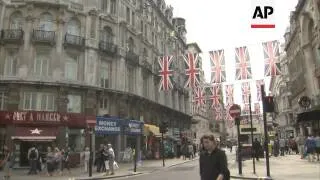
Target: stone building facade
{"x":302,"y":49}
{"x":90,"y":58}
{"x":281,"y":92}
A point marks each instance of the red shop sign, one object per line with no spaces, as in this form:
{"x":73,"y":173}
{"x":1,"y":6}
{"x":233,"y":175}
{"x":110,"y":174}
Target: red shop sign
{"x":44,"y":117}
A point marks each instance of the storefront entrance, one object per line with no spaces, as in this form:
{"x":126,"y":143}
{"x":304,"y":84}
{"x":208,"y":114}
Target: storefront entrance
{"x":22,"y":147}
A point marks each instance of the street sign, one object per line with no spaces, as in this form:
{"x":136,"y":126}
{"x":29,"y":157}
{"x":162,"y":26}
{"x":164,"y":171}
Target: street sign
{"x":235,"y":111}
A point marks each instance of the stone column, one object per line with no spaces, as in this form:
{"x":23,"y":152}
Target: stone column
{"x":121,"y":71}
{"x":14,"y":97}
{"x":62,"y":100}
{"x":309,"y":65}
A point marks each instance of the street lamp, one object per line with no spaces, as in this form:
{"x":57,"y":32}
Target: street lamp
{"x":90,"y":131}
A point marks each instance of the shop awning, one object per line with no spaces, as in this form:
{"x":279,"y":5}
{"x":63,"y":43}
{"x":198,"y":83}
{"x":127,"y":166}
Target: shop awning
{"x":34,"y":138}
{"x":153,"y":129}
{"x":308,"y":116}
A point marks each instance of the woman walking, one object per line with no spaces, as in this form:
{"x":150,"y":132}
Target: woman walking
{"x":50,"y":160}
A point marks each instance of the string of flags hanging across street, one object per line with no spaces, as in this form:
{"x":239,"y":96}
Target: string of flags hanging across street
{"x":218,"y":86}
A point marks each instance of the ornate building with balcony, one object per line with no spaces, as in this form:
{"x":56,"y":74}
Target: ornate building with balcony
{"x":90,"y":58}
{"x":279,"y":87}
{"x":303,"y":56}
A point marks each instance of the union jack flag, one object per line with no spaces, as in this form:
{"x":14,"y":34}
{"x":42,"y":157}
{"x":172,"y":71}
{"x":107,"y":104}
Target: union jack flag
{"x":246,"y":108}
{"x":165,"y":73}
{"x":199,"y":96}
{"x":218,"y":113}
{"x":258,"y":85}
{"x":271,"y":58}
{"x":257,"y":108}
{"x":215,"y":95}
{"x":228,"y":114}
{"x":243,"y":67}
{"x":193,"y":70}
{"x":229,"y":94}
{"x":245,"y":87}
{"x":218,"y":71}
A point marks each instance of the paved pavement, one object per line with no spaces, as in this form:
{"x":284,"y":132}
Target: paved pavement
{"x":124,"y":170}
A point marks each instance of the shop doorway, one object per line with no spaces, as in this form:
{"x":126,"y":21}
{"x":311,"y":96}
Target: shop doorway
{"x":26,"y":145}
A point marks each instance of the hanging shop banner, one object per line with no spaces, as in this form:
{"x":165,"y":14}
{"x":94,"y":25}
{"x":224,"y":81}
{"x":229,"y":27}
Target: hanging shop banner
{"x":106,"y":126}
{"x":132,"y":127}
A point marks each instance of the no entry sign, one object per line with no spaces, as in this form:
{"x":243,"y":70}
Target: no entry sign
{"x":235,"y":111}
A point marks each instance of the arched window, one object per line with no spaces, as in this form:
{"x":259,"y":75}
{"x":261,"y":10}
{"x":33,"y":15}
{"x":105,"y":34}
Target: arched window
{"x":106,"y":35}
{"x":74,"y":27}
{"x":130,"y":45}
{"x":16,"y":20}
{"x":46,"y":22}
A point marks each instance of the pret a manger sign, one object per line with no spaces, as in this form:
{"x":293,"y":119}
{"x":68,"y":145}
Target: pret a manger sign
{"x":38,"y":117}
{"x":262,"y":14}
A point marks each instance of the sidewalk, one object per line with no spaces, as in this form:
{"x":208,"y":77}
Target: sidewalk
{"x":147,"y":166}
{"x":281,"y":168}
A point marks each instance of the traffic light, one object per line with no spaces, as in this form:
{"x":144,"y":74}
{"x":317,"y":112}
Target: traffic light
{"x":268,"y":104}
{"x":164,"y":127}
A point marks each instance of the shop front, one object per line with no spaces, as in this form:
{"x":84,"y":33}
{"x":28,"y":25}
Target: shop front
{"x":108,"y":131}
{"x":133,"y":131}
{"x":42,"y":129}
{"x":152,"y":137}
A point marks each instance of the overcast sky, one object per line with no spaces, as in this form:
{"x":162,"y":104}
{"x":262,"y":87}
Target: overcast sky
{"x":225,"y":24}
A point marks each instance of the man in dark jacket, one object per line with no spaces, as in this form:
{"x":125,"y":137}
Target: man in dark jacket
{"x":213,"y":161}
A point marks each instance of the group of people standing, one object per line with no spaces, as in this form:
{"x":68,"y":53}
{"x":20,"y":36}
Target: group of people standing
{"x":54,"y":161}
{"x":105,"y":159}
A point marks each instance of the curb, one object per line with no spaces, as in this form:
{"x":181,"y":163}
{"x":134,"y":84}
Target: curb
{"x":133,"y":173}
{"x":251,"y":178}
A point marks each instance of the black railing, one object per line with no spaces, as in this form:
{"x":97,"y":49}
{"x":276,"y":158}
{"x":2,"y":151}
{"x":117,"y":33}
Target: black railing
{"x":74,"y":40}
{"x":12,"y":35}
{"x":132,"y":57}
{"x":43,"y":36}
{"x":108,"y":47}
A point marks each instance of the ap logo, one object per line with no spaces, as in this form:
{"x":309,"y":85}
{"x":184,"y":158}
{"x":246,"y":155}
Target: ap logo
{"x":262,"y":14}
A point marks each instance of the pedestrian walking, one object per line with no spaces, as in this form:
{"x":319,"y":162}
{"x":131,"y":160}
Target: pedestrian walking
{"x":85,"y":158}
{"x":33,"y":156}
{"x":50,"y":161}
{"x":65,"y":160}
{"x":310,"y":148}
{"x":7,"y":162}
{"x":282,"y":144}
{"x":111,"y":160}
{"x":256,"y":147}
{"x":317,"y":139}
{"x":213,"y":161}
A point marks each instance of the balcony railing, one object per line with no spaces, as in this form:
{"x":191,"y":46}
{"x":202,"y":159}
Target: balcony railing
{"x":133,"y":58}
{"x":74,"y":40}
{"x":12,"y":35}
{"x":43,"y":36}
{"x":108,"y":48}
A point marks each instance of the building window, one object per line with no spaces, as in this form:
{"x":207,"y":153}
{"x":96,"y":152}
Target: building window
{"x":133,"y":19}
{"x":74,"y":104}
{"x":71,"y":67}
{"x":104,"y":103}
{"x":104,"y":5}
{"x":39,"y":101}
{"x":105,"y":72}
{"x":16,"y":21}
{"x":41,"y":64}
{"x":74,"y":27}
{"x":106,"y":35}
{"x":113,"y":6}
{"x":146,"y":86}
{"x":128,"y":15}
{"x":11,"y":63}
{"x":130,"y":79}
{"x":46,"y":20}
{"x":3,"y":99}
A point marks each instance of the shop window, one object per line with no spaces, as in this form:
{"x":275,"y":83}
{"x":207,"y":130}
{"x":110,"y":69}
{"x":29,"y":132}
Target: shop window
{"x":76,"y":140}
{"x":74,"y":105}
{"x":38,"y":101}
